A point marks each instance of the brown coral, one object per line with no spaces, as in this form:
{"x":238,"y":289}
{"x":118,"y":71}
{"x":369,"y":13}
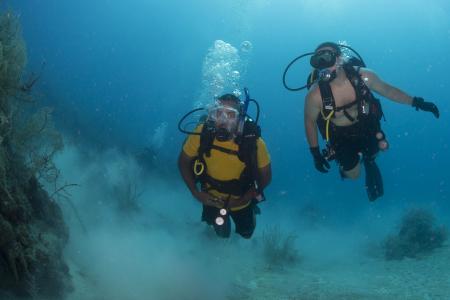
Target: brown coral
{"x":418,"y":235}
{"x":32,"y":229}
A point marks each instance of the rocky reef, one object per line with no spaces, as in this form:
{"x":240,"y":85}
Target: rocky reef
{"x":32,"y":230}
{"x":417,"y":236}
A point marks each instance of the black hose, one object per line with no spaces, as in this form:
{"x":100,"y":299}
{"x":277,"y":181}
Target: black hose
{"x":311,"y":53}
{"x":257,"y":110}
{"x":184,"y":118}
{"x":357,"y":54}
{"x":181,"y":129}
{"x":287,"y":69}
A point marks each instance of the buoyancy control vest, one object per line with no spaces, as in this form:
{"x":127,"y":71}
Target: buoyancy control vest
{"x":370,"y":111}
{"x":247,"y":153}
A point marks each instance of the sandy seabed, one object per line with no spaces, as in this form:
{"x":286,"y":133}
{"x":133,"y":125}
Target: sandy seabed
{"x":370,"y":278}
{"x":426,"y":278}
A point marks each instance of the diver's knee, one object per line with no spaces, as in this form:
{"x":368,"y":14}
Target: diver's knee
{"x":246,"y":235}
{"x":351,"y":174}
{"x":247,"y":232}
{"x":222,"y":231}
{"x":222,"y":235}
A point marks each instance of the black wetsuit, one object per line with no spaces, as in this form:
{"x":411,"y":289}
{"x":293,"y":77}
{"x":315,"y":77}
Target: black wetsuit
{"x":349,"y":142}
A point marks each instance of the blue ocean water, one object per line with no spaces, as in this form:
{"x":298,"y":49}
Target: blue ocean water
{"x":116,"y":71}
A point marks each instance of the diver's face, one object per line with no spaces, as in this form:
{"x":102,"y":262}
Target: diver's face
{"x":225,"y":114}
{"x":326,"y":58}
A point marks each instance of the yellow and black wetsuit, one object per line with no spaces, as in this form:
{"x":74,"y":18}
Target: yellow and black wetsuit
{"x":223,"y":166}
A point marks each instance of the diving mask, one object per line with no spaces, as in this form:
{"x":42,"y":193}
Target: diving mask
{"x":225,"y":119}
{"x":223,"y":114}
{"x":323,"y":59}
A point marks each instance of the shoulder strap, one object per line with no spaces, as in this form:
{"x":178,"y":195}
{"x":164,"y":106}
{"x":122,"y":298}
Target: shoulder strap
{"x":248,"y":152}
{"x":247,"y":142}
{"x":206,"y":140}
{"x":328,"y":103}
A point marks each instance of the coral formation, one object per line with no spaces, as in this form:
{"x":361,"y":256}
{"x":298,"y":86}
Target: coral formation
{"x":32,"y":230}
{"x":418,"y":235}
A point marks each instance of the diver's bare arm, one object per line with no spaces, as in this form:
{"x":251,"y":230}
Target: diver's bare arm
{"x":184,"y":165}
{"x":374,"y":83}
{"x":312,"y":110}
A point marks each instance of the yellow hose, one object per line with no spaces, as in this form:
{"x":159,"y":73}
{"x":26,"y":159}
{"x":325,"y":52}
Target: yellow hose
{"x":327,"y":125}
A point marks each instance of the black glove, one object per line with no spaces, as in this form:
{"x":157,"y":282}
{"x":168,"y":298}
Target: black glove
{"x":421,"y":104}
{"x":320,"y":162}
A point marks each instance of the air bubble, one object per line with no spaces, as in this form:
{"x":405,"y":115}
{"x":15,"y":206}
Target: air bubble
{"x":246,"y":46}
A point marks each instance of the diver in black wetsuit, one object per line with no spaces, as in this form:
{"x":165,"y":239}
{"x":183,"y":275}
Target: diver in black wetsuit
{"x":341,"y":105}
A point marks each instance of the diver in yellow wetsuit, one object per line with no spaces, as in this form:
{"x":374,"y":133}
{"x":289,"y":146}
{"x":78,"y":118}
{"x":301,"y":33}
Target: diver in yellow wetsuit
{"x":231,"y":168}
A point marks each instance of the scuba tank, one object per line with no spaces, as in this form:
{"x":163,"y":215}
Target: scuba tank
{"x":240,"y":133}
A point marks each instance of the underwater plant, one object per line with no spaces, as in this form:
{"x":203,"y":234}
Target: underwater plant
{"x":151,"y":157}
{"x":127,"y":194}
{"x":418,"y":235}
{"x":36,"y":140}
{"x":279,"y":248}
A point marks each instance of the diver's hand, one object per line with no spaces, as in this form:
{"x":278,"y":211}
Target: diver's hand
{"x":245,"y":199}
{"x":320,"y":162}
{"x":208,"y":199}
{"x":421,"y":104}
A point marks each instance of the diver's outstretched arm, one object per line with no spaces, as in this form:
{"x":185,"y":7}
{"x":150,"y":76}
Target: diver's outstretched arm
{"x":374,"y":83}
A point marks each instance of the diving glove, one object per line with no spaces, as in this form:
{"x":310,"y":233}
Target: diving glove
{"x":421,"y":104}
{"x":320,"y":162}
